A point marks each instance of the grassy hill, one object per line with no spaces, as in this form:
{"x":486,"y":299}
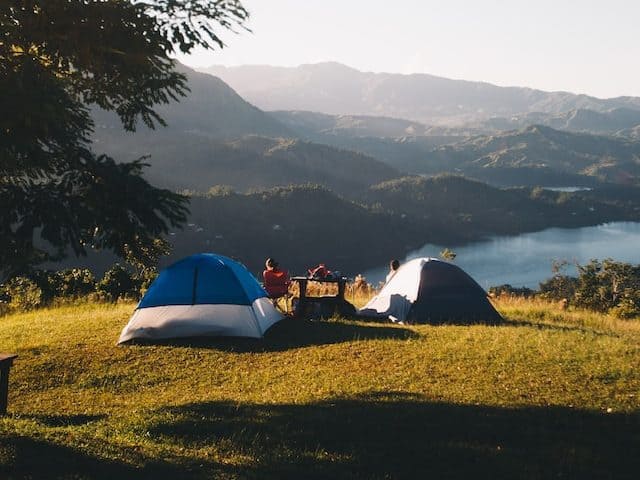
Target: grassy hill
{"x":550,"y":393}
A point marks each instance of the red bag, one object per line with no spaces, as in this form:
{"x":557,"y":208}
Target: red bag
{"x":318,"y":272}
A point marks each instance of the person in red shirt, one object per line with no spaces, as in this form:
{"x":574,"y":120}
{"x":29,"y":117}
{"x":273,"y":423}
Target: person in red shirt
{"x":276,"y":281}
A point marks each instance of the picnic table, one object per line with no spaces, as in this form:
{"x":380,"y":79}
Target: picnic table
{"x":6,"y":360}
{"x":325,"y":305}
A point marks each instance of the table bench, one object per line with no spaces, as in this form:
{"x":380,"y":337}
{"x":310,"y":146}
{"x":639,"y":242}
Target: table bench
{"x":326,"y":305}
{"x":6,"y":360}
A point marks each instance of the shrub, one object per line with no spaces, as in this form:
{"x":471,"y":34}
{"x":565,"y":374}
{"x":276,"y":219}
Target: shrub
{"x":145,"y":279}
{"x":74,"y":283}
{"x":46,"y":280}
{"x":607,"y":286}
{"x":507,"y":289}
{"x":117,"y":283}
{"x":23,"y":294}
{"x":628,"y":306}
{"x":559,"y":287}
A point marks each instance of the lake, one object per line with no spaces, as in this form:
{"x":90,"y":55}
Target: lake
{"x":525,"y":260}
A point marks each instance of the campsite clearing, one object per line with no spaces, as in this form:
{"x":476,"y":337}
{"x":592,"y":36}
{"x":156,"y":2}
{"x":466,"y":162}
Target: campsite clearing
{"x":550,"y":393}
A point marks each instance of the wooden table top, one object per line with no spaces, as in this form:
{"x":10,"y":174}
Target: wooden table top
{"x":326,"y":280}
{"x":7,"y":357}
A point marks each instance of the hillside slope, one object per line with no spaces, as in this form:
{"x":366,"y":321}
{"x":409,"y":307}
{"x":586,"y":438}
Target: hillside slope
{"x":186,"y":160}
{"x":539,"y":153}
{"x":616,"y":121}
{"x":211,"y":108}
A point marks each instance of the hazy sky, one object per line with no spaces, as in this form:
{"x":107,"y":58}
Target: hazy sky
{"x":583,"y":46}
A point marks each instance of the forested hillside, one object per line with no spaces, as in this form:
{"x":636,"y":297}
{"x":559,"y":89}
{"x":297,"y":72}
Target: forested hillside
{"x":307,"y":224}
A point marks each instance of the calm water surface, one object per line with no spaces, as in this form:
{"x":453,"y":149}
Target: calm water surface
{"x":525,"y":260}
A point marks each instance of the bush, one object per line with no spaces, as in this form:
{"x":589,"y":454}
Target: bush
{"x":507,"y":289}
{"x":145,"y":279}
{"x":46,"y":280}
{"x":559,"y":287}
{"x":608,"y":286}
{"x":73,"y":283}
{"x":628,"y":306}
{"x":117,"y":283}
{"x":23,"y":294}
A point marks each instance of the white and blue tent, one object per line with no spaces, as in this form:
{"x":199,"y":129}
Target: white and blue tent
{"x":202,"y":295}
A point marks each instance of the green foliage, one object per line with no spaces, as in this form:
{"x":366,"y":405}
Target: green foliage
{"x":57,"y":58}
{"x":608,"y":285}
{"x":74,"y":283}
{"x":448,"y":254}
{"x":23,"y":294}
{"x":602,"y":286}
{"x":559,"y":287}
{"x":117,"y":283}
{"x":509,"y":290}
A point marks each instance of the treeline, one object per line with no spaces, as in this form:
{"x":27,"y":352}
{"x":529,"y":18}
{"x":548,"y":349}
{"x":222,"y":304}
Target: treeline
{"x":603,"y":286}
{"x":42,"y":288}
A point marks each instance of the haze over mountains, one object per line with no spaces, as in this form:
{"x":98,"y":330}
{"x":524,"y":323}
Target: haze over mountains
{"x":337,"y":89}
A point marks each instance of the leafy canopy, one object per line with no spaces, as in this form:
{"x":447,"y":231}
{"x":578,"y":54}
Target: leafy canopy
{"x":58,"y":59}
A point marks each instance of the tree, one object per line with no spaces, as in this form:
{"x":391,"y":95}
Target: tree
{"x":59,"y":59}
{"x":448,"y":255}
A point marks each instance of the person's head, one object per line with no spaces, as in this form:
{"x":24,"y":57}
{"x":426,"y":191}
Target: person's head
{"x":394,"y":264}
{"x":271,"y":264}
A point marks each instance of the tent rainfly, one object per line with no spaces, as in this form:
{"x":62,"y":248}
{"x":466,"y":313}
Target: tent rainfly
{"x":427,"y":290}
{"x":202,"y":295}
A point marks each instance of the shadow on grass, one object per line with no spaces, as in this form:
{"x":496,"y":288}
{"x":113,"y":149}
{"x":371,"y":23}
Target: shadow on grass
{"x":64,"y":420}
{"x":379,"y":435}
{"x":295,"y":333}
{"x":394,"y":435}
{"x":546,"y":325}
{"x":22,"y":457}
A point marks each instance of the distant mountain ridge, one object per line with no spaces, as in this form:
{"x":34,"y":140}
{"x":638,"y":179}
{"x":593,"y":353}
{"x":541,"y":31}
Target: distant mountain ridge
{"x":214,"y":137}
{"x":613,"y":122}
{"x":336,"y":89}
{"x":539,"y":152}
{"x":211,"y":109}
{"x":526,"y":155}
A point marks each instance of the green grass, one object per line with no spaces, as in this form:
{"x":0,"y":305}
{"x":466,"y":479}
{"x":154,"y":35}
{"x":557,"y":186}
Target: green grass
{"x":550,"y":393}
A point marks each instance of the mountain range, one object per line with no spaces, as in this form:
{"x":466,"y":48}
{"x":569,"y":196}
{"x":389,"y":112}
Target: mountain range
{"x":336,"y":89}
{"x":216,"y":137}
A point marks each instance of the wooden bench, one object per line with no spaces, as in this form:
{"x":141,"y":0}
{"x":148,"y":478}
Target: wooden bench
{"x":6,"y":360}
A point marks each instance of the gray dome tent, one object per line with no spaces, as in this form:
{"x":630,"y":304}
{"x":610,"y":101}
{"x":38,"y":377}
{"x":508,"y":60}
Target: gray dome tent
{"x":427,"y":290}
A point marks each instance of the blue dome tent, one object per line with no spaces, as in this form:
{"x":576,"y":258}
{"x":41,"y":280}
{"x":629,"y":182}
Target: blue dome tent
{"x":202,"y":295}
